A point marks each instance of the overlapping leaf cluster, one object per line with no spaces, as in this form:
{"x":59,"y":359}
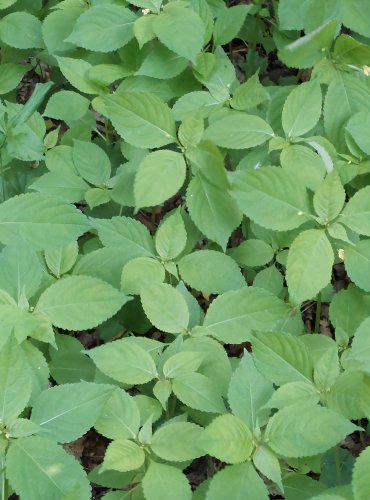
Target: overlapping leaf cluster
{"x":164,"y":195}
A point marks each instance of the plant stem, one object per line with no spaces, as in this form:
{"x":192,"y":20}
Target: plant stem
{"x":318,"y":313}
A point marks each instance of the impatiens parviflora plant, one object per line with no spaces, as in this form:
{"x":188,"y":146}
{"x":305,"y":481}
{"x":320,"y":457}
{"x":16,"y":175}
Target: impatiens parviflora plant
{"x":162,"y":193}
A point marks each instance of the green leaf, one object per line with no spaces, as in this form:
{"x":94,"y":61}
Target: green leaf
{"x":343,"y":399}
{"x":228,"y":439}
{"x":198,"y":392}
{"x":67,"y":106}
{"x":357,"y":358}
{"x":91,"y":162}
{"x":309,"y":265}
{"x":120,"y":418}
{"x":123,"y":455}
{"x":161,"y":62}
{"x":139,"y":272}
{"x":67,"y":186}
{"x":347,"y":311}
{"x":354,"y":94}
{"x":21,"y":30}
{"x":198,"y":271}
{"x":249,"y":391}
{"x":182,"y":363}
{"x":282,"y":358}
{"x":354,"y":16}
{"x":252,"y":253}
{"x":212,"y":209}
{"x":142,"y":119}
{"x":357,"y":263}
{"x":53,"y":475}
{"x":360,"y":478}
{"x":103,"y":28}
{"x":177,"y":441}
{"x":191,"y":129}
{"x":60,"y":260}
{"x":128,"y":234}
{"x":165,"y":307}
{"x":356,"y":213}
{"x":294,"y":393}
{"x":302,"y":109}
{"x":124,"y":361}
{"x":161,"y":481}
{"x":241,"y":479}
{"x":64,"y":413}
{"x":249,"y":94}
{"x":229,"y":24}
{"x":58,"y":25}
{"x":44,"y":221}
{"x":170,"y":238}
{"x":268,"y":464}
{"x":304,"y":163}
{"x":329,"y":198}
{"x":291,"y":16}
{"x":20,"y":270}
{"x":15,"y":383}
{"x":309,"y":49}
{"x":232,"y":316}
{"x":238,"y":130}
{"x":305,"y":430}
{"x":180,"y":29}
{"x":10,"y":75}
{"x":271,"y":197}
{"x":159,"y":176}
{"x":80,"y":302}
{"x":76,"y":71}
{"x":356,"y":126}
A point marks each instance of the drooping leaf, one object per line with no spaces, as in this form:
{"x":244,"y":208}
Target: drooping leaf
{"x":64,"y":413}
{"x":80,"y":302}
{"x":53,"y":475}
{"x":309,"y":265}
{"x":302,"y":109}
{"x":170,"y":238}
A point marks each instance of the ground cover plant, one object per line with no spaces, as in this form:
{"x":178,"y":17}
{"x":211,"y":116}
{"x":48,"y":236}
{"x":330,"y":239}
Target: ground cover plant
{"x":185,"y":249}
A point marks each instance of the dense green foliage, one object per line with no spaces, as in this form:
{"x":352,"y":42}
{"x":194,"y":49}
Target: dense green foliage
{"x":157,"y":164}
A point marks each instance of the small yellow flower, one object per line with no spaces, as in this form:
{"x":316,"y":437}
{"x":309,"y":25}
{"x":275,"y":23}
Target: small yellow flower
{"x":341,"y":253}
{"x":145,"y":11}
{"x":366,"y":70}
{"x":300,"y":212}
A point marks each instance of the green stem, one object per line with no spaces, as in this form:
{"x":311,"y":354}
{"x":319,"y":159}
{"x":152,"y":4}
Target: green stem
{"x":318,"y":313}
{"x":4,"y":488}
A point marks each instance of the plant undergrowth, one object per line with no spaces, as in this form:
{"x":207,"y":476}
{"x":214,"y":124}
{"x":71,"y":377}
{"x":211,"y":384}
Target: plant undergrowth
{"x":185,"y":249}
